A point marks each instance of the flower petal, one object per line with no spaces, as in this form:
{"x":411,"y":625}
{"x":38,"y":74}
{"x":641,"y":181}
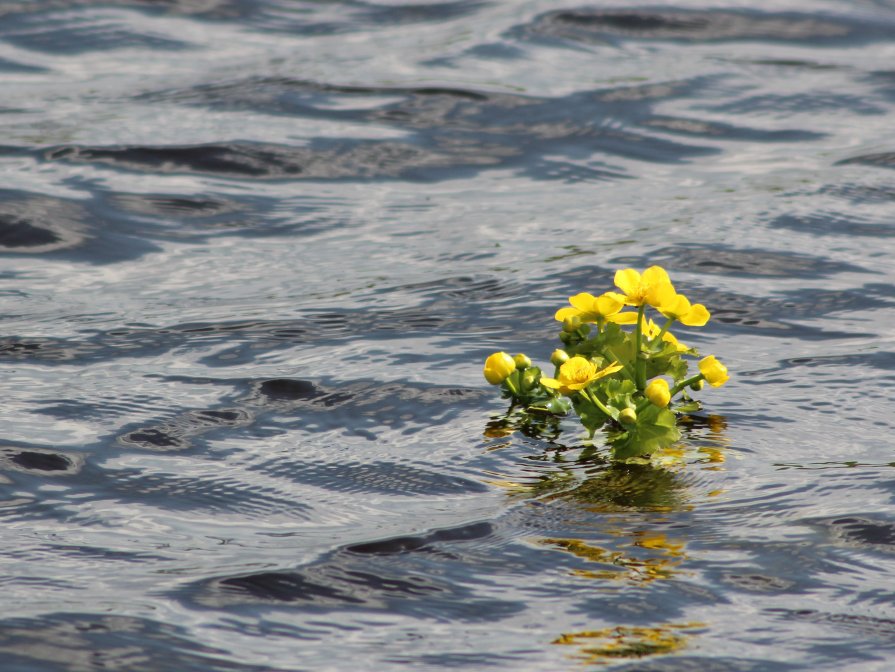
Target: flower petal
{"x":615,"y":295}
{"x":609,"y":303}
{"x":583,"y":301}
{"x":568,"y":311}
{"x":552,"y":383}
{"x":662,"y":294}
{"x":623,"y":318}
{"x":609,"y":370}
{"x":656,"y":275}
{"x":627,"y":280}
{"x":697,"y":316}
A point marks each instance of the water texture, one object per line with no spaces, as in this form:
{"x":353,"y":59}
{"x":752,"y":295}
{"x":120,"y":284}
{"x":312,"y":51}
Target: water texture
{"x":253,"y":254}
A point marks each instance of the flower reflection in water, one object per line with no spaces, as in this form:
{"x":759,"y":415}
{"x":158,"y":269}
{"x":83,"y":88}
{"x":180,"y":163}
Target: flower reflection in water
{"x":629,"y":509}
{"x":618,"y":565}
{"x":609,"y":644}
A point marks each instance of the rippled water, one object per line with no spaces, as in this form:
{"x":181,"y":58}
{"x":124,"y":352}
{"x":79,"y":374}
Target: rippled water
{"x":254,"y":253}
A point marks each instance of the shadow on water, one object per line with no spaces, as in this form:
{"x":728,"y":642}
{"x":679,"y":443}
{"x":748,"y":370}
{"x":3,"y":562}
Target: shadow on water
{"x":453,"y":133}
{"x":673,"y":24}
{"x":75,"y":641}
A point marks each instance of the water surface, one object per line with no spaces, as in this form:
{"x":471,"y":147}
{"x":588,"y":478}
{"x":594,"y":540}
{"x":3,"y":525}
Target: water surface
{"x":254,"y":253}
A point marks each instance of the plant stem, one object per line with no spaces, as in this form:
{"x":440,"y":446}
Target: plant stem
{"x":639,"y":362}
{"x":665,"y":329}
{"x":592,"y":397}
{"x":684,"y":383}
{"x":512,"y":387}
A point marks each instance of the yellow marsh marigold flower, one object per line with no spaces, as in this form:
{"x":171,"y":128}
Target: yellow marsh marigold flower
{"x":589,"y":308}
{"x":658,"y":393}
{"x":713,"y":370}
{"x":497,"y":367}
{"x":680,"y":309}
{"x":578,"y":373}
{"x":653,"y":287}
{"x":650,"y":329}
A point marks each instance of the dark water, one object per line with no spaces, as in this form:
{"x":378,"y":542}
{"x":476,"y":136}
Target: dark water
{"x":254,"y":253}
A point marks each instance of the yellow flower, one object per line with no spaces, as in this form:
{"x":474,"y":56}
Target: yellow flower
{"x":658,"y":393}
{"x":578,"y":373}
{"x":653,"y":287}
{"x":668,"y":337}
{"x":589,"y":308}
{"x":679,"y":309}
{"x":650,"y":329}
{"x":713,"y":370}
{"x":497,"y":367}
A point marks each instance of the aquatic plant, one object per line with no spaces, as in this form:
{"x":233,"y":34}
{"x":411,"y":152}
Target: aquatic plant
{"x":633,"y":382}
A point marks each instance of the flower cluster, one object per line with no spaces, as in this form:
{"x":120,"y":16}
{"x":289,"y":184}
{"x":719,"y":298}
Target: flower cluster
{"x":632,"y":382}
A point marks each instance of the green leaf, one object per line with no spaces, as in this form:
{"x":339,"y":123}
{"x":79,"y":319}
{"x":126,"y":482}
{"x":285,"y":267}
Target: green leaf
{"x":688,"y":406}
{"x":591,"y":416}
{"x":656,"y":428}
{"x":619,"y":392}
{"x":667,"y":362}
{"x":554,"y":405}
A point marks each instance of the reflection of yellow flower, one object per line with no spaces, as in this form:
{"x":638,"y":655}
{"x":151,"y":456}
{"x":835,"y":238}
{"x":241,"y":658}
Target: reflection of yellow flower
{"x":578,"y":373}
{"x":589,"y":308}
{"x":658,"y":393}
{"x":680,"y":309}
{"x":653,"y":287}
{"x":497,"y":367}
{"x":713,"y":370}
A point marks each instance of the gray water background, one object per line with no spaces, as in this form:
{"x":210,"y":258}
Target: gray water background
{"x":252,"y":255}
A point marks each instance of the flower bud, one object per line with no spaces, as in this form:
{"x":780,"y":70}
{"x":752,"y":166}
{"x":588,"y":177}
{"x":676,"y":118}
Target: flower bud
{"x":713,"y":371}
{"x":571,"y":323}
{"x":658,"y":393}
{"x":522,"y":361}
{"x":530,"y":378}
{"x":559,"y":357}
{"x":627,"y":416}
{"x":698,"y":385}
{"x":497,"y":367}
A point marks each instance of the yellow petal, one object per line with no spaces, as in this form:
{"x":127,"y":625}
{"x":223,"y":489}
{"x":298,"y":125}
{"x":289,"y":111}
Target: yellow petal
{"x":656,"y":275}
{"x":609,"y":303}
{"x":583,"y":301}
{"x":714,"y":371}
{"x":680,"y":306}
{"x":612,"y":368}
{"x":623,"y":318}
{"x":627,"y":280}
{"x":615,"y":295}
{"x":568,"y":311}
{"x":671,"y":338}
{"x":552,"y":383}
{"x":658,"y":393}
{"x":696,"y":316}
{"x":662,"y":294}
{"x":497,"y":367}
